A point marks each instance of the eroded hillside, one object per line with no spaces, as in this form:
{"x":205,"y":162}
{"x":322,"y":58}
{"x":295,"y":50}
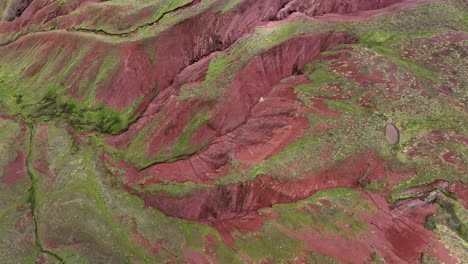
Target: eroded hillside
{"x":233,"y":131}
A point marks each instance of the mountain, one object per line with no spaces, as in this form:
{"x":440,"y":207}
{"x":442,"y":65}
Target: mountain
{"x":233,"y":131}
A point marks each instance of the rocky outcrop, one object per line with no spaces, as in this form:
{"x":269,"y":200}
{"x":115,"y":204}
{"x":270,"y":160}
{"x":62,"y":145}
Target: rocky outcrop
{"x":15,"y":9}
{"x":222,"y":203}
{"x":321,"y":7}
{"x":238,"y":120}
{"x":232,"y":132}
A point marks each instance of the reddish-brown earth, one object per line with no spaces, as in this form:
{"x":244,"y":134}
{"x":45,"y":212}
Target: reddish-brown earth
{"x":240,"y":123}
{"x":218,"y":131}
{"x":15,"y":170}
{"x":225,"y":202}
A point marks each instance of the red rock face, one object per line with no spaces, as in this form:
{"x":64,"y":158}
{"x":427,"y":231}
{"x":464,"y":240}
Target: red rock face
{"x":251,"y":83}
{"x":233,"y":201}
{"x":133,"y":80}
{"x":253,"y":131}
{"x":15,"y":9}
{"x":236,"y":107}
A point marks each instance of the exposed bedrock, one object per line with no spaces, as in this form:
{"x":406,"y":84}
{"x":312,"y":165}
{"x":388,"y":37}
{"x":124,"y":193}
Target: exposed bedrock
{"x":221,"y":203}
{"x":321,"y":7}
{"x":190,"y":40}
{"x":261,"y":136}
{"x":171,"y":51}
{"x":266,"y":69}
{"x":199,"y":36}
{"x":174,"y":49}
{"x":15,"y":9}
{"x":237,"y":119}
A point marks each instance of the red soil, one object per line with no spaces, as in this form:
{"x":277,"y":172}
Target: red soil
{"x":41,"y":259}
{"x":402,"y":228}
{"x":16,"y":170}
{"x":251,"y":83}
{"x":432,"y":141}
{"x":20,"y":224}
{"x":39,"y":12}
{"x":196,"y":38}
{"x":193,"y":256}
{"x":461,"y":191}
{"x":454,"y":158}
{"x":396,"y":235}
{"x":245,"y":223}
{"x":134,"y":79}
{"x":227,"y":202}
{"x":241,"y":127}
{"x":39,"y":161}
{"x":321,"y":108}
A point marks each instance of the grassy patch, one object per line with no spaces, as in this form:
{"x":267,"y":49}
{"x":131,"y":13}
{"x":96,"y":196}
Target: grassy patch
{"x":269,"y":244}
{"x":44,"y":94}
{"x":415,"y":68}
{"x":129,"y":17}
{"x":181,"y":147}
{"x":345,"y":106}
{"x":68,"y":110}
{"x":224,"y":66}
{"x":273,"y":244}
{"x":320,"y":76}
{"x":297,"y":150}
{"x":175,"y":189}
{"x":75,"y":181}
{"x":184,"y":145}
{"x":375,"y":185}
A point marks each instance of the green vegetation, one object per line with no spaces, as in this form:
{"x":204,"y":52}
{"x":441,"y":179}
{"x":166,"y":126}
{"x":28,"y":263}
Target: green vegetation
{"x":316,"y":258}
{"x":443,"y":121}
{"x":302,"y":151}
{"x":108,"y":219}
{"x":180,"y":147}
{"x":450,"y":225}
{"x":275,"y":240}
{"x":345,"y":106}
{"x":417,"y":114}
{"x":376,"y":258}
{"x":184,"y":146}
{"x":454,"y":212}
{"x":15,"y":199}
{"x":69,"y":188}
{"x":426,"y":18}
{"x":50,"y":101}
{"x":175,"y":189}
{"x":414,"y":67}
{"x":224,"y":66}
{"x":130,"y":18}
{"x":297,"y":150}
{"x":269,"y":243}
{"x":330,"y":220}
{"x":75,"y":181}
{"x":320,"y":76}
{"x":375,"y":185}
{"x":104,"y":120}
